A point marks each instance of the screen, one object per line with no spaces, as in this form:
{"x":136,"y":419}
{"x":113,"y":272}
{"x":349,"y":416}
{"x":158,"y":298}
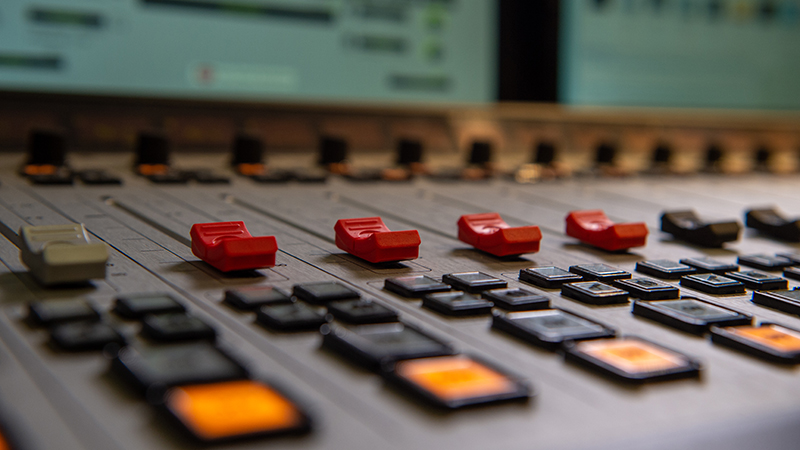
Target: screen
{"x":686,"y":53}
{"x":295,"y":50}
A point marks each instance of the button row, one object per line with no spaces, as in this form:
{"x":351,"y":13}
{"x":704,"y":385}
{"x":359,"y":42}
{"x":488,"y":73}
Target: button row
{"x":177,"y":367}
{"x":374,"y":336}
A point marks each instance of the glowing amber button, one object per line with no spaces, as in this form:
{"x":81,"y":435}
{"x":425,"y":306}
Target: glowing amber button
{"x":233,"y":409}
{"x":633,"y":356}
{"x":39,"y":169}
{"x":153,"y":169}
{"x":772,"y":336}
{"x":3,"y":443}
{"x":455,"y":378}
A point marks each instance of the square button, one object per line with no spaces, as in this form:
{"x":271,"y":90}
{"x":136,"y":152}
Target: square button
{"x":324,"y":292}
{"x":759,"y":281}
{"x":176,"y":327}
{"x":648,"y":289}
{"x":786,"y":301}
{"x":51,"y":312}
{"x":706,"y":264}
{"x":549,"y":328}
{"x":81,"y":336}
{"x":594,"y":293}
{"x":689,"y":314}
{"x":291,"y":317}
{"x":138,"y":306}
{"x":457,"y":304}
{"x":414,"y":286}
{"x":456,"y":381}
{"x":599,"y":272}
{"x":767,"y":341}
{"x":361,"y":311}
{"x":792,"y":272}
{"x":250,"y":298}
{"x":516,"y":299}
{"x":765,"y":262}
{"x":632,"y":359}
{"x":713,"y":284}
{"x":234,"y":409}
{"x":664,"y":268}
{"x":373,"y":345}
{"x":473,"y":282}
{"x":176,"y":364}
{"x":793,"y":257}
{"x":550,"y":277}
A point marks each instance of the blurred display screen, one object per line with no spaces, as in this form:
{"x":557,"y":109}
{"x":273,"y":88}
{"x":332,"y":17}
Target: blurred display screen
{"x":294,"y":50}
{"x":686,"y":53}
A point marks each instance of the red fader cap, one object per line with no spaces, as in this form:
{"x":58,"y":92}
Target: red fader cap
{"x":594,"y":228}
{"x":488,"y":232}
{"x":229,"y":246}
{"x":369,"y":239}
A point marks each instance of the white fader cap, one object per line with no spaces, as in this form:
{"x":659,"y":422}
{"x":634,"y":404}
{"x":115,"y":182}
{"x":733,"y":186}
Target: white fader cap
{"x":57,"y":254}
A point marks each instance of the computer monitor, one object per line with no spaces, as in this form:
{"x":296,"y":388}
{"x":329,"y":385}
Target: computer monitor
{"x":680,"y":53}
{"x":262,"y":50}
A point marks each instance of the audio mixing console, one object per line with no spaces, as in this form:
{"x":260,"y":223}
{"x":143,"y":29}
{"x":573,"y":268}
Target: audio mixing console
{"x":325,"y":350}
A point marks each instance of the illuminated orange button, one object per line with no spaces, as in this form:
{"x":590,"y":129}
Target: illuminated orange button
{"x":39,"y":169}
{"x":632,"y":355}
{"x":3,"y":443}
{"x":233,"y":409}
{"x":251,"y":169}
{"x":772,"y":336}
{"x":455,"y":377}
{"x":152,"y":169}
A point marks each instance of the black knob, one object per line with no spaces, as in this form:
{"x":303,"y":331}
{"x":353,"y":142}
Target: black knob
{"x":247,"y":150}
{"x":763,"y":154}
{"x":544,"y":153}
{"x":409,"y":151}
{"x":332,"y":150}
{"x":605,"y":153}
{"x":662,"y":154}
{"x":714,"y":154}
{"x":480,"y":153}
{"x":152,"y":148}
{"x":46,"y":147}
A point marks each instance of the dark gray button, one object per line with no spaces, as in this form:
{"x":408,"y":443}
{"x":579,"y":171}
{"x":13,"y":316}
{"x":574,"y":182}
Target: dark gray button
{"x":765,"y":262}
{"x":759,"y":281}
{"x":516,"y":299}
{"x":372,"y":345}
{"x":361,"y":311}
{"x":689,"y":314}
{"x":324,"y":292}
{"x":414,"y":286}
{"x":291,"y":317}
{"x":548,"y":277}
{"x":50,"y":312}
{"x":176,"y":327}
{"x":138,"y":306}
{"x":457,"y":304}
{"x":176,"y":364}
{"x":251,"y":298}
{"x":648,"y":289}
{"x":594,"y":292}
{"x":599,"y":272}
{"x":786,"y":301}
{"x":80,"y":336}
{"x":706,"y":264}
{"x":473,"y":282}
{"x":664,"y":268}
{"x":713,"y":284}
{"x":549,"y":328}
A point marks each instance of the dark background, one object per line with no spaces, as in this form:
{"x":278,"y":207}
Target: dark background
{"x":528,"y":53}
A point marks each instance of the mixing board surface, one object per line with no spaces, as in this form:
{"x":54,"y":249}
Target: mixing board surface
{"x":335,"y":389}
